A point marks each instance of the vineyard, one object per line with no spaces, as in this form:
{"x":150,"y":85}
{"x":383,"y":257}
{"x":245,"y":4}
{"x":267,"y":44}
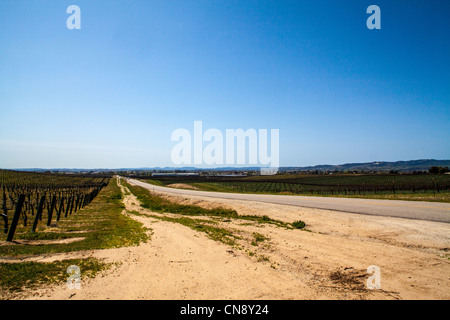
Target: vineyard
{"x":344,"y":184}
{"x":30,"y":199}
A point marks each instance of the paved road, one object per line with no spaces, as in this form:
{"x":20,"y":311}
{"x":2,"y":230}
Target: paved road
{"x":420,"y":210}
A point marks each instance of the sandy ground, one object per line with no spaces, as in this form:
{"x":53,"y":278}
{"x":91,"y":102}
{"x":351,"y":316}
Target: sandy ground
{"x":327,"y":261}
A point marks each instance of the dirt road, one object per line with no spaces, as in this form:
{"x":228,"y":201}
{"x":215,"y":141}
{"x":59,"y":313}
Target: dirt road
{"x":420,"y":210}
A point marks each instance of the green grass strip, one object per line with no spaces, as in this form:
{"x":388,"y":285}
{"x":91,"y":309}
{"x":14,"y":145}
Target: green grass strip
{"x":103,"y":220}
{"x":18,"y":276}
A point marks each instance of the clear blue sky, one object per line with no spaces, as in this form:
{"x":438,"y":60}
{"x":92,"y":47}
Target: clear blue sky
{"x":110,"y":95}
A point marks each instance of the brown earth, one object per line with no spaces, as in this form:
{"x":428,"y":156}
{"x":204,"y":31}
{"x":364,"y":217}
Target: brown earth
{"x":182,"y":186}
{"x":328,"y":260}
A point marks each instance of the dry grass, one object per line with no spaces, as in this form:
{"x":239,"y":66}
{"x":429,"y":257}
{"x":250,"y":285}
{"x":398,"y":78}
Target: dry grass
{"x":350,"y":278}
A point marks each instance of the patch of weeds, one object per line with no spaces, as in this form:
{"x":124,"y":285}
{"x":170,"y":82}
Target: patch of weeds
{"x":263,"y":258}
{"x":116,"y":196}
{"x":43,"y":236}
{"x":350,"y":278}
{"x":258,"y":237}
{"x":19,"y":276}
{"x":298,"y":224}
{"x":136,"y":213}
{"x":108,"y":228}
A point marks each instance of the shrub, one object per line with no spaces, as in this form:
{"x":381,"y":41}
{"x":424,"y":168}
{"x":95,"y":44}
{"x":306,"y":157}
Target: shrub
{"x":298,"y":224}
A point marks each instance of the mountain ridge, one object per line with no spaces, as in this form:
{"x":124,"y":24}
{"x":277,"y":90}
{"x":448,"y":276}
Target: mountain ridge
{"x":402,"y":165}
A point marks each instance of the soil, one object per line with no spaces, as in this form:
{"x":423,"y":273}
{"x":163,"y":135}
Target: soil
{"x":182,"y":186}
{"x":326,"y":260}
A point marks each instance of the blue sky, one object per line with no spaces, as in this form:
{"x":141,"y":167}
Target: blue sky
{"x":110,"y":95}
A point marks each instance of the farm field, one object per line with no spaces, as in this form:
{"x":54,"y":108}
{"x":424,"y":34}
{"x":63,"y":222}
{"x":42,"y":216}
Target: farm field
{"x":424,"y":187}
{"x":47,"y":241}
{"x":29,"y":196}
{"x":131,"y":243}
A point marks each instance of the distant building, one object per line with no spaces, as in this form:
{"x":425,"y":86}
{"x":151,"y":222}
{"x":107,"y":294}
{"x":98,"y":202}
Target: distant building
{"x":230,"y":175}
{"x":174,"y":174}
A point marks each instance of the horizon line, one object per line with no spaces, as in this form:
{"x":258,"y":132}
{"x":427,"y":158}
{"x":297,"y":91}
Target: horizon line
{"x":216,"y":168}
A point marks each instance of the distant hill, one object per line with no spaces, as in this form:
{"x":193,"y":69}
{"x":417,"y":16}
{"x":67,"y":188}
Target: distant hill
{"x":380,"y":166}
{"x":401,"y":166}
